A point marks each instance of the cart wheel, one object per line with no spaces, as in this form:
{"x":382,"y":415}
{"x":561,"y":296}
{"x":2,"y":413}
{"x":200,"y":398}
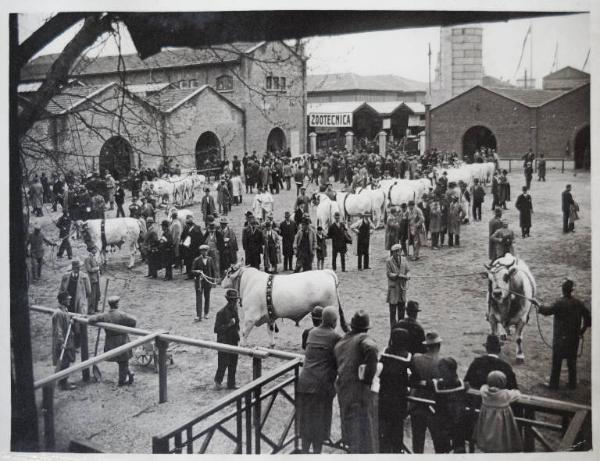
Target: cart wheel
{"x":144,"y":359}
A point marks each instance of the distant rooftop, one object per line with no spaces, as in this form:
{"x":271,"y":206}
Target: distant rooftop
{"x":530,"y":97}
{"x":172,"y":57}
{"x":351,"y":81}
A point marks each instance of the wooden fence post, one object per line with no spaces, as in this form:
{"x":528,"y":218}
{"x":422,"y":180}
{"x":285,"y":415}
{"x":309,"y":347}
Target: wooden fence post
{"x":256,"y":367}
{"x":528,"y":437}
{"x":256,"y":417}
{"x":248,"y":411}
{"x":162,"y":345}
{"x":85,"y":373}
{"x":562,"y":170}
{"x":48,"y":411}
{"x":160,"y":445}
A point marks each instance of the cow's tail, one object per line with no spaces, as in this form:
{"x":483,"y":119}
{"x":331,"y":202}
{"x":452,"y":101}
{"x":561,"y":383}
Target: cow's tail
{"x":343,"y":323}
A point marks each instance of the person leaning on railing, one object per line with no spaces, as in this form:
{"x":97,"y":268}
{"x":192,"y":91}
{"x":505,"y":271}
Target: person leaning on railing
{"x":116,"y":339}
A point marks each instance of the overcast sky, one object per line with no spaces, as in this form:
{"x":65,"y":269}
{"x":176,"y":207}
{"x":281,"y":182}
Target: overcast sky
{"x":404,"y":52}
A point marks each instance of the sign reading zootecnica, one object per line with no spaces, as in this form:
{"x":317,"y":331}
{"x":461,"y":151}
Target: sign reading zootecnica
{"x":330,"y":120}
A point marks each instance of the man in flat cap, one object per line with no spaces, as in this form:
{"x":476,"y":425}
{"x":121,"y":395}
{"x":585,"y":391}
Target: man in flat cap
{"x":398,"y":275}
{"x":571,"y":319}
{"x":227,"y":329}
{"x":230,"y":246}
{"x":116,"y":339}
{"x":205,"y":272}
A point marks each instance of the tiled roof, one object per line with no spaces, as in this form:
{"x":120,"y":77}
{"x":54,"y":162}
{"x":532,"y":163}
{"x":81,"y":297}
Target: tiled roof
{"x":494,"y":82}
{"x":333,"y":107}
{"x":169,"y":97}
{"x":528,"y":97}
{"x":351,"y":81}
{"x":567,"y":72}
{"x":71,"y":97}
{"x":174,"y":57}
{"x":147,"y":87}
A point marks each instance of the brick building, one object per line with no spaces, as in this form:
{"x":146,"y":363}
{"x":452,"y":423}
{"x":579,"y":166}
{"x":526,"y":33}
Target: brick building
{"x":188,"y":105}
{"x":513,"y":120}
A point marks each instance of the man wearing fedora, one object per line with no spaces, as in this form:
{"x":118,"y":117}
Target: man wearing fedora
{"x":482,"y":366}
{"x":398,"y":276}
{"x":571,"y":319}
{"x":305,"y":244}
{"x":288,"y":230}
{"x":227,"y":329}
{"x":191,"y":238}
{"x":356,"y":357}
{"x":116,"y":339}
{"x":204,"y":270}
{"x":207,"y":205}
{"x":425,"y":368}
{"x":77,"y":284}
{"x":230,"y":246}
{"x":338,"y":232}
{"x":272,"y":248}
{"x":152,"y":246}
{"x":214,"y":239}
{"x":252,"y":242}
{"x":35,"y":244}
{"x":363,"y":231}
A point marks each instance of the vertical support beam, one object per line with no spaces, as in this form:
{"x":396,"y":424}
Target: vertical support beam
{"x":382,"y":138}
{"x":349,"y":141}
{"x":160,"y":446}
{"x":248,"y":403}
{"x":296,"y":431}
{"x":85,"y":373}
{"x":256,"y":420}
{"x":48,"y":411}
{"x":562,"y":169}
{"x":162,"y":345}
{"x":509,"y":165}
{"x":313,"y":142}
{"x":238,"y":426}
{"x":528,"y":436}
{"x":256,"y":367}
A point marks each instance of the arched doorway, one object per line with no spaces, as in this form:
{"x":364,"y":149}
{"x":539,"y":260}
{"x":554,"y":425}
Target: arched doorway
{"x":582,"y":148}
{"x":208,"y":150}
{"x":475,"y":138}
{"x":276,"y":140}
{"x":116,"y":157}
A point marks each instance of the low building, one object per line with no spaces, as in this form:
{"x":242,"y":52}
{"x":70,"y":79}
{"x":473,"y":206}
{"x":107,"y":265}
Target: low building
{"x":565,"y":79}
{"x":514,"y":120}
{"x":205,"y":104}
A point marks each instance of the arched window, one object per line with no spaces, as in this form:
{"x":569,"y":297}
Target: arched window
{"x":224,"y":83}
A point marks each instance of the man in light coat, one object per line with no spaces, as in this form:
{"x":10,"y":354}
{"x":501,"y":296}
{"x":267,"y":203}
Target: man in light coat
{"x":398,"y":275}
{"x":175,"y":229}
{"x":93,"y":271}
{"x":416,"y":223}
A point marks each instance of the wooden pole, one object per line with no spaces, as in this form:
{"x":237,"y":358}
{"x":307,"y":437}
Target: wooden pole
{"x":248,"y":403}
{"x":256,"y":420}
{"x":256,"y":367}
{"x":48,"y":411}
{"x":162,"y":370}
{"x":85,"y":373}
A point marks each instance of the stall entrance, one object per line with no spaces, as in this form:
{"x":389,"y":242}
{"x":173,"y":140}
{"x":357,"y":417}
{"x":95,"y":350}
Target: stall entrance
{"x":276,"y":140}
{"x":475,"y":138}
{"x":582,"y":149}
{"x":208,"y":150}
{"x":116,"y":157}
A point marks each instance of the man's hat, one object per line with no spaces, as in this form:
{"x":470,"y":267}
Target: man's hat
{"x":231,"y":294}
{"x":112,"y":300}
{"x":75,"y":263}
{"x":204,"y":247}
{"x":249,"y":213}
{"x":412,"y":307}
{"x":304,"y":188}
{"x":149,"y":220}
{"x":432,"y":338}
{"x":317,"y":312}
{"x":37,"y":227}
{"x":223,"y":220}
{"x":206,"y":189}
{"x":286,"y":214}
{"x":492,"y":343}
{"x":360,"y":321}
{"x":63,"y":296}
{"x":498,"y":210}
{"x":268,"y":223}
{"x":305,"y":220}
{"x":396,"y":247}
{"x":164,"y":223}
{"x":568,"y":285}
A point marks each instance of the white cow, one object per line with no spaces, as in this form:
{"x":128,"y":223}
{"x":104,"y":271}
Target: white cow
{"x":181,"y":214}
{"x":117,"y":231}
{"x":405,"y":190}
{"x":511,"y":289}
{"x":293,"y":295}
{"x":326,"y":208}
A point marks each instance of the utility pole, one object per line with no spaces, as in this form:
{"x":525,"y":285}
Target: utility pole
{"x":429,"y":58}
{"x":531,"y":56}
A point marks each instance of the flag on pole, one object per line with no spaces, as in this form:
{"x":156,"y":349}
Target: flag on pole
{"x":555,"y":60}
{"x":586,"y":59}
{"x":523,"y":49}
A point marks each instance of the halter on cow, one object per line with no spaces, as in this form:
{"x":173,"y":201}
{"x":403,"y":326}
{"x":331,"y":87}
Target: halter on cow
{"x":265,"y":297}
{"x":512,"y":287}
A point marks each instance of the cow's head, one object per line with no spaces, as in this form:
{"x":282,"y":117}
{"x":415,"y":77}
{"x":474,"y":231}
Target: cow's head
{"x":500,"y":276}
{"x":231,"y":277}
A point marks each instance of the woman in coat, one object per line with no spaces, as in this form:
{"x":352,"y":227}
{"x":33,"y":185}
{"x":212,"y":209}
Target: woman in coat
{"x":315,"y":391}
{"x":455,"y":217}
{"x":525,"y":207}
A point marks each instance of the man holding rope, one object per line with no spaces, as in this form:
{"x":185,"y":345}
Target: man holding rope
{"x":569,"y":313}
{"x":204,"y":270}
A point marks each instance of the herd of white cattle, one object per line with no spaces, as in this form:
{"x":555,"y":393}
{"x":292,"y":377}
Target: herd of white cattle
{"x":394,"y":192}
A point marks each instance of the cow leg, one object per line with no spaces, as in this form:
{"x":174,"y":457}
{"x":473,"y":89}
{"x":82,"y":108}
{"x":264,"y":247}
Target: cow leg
{"x":248,"y":325}
{"x":131,"y":255}
{"x":519,"y":333}
{"x":103,"y":257}
{"x":493,"y":323}
{"x":271,"y":327}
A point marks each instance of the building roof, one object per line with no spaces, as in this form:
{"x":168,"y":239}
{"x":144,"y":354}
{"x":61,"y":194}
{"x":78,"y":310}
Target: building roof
{"x":567,"y":72}
{"x":37,"y":68}
{"x":351,"y":81}
{"x":172,"y":97}
{"x":333,"y":107}
{"x":416,"y":107}
{"x":71,"y":97}
{"x":147,"y":87}
{"x":530,"y":97}
{"x":494,"y":82}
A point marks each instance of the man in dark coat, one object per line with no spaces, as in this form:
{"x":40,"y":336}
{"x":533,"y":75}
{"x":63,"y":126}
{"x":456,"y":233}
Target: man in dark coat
{"x":305,"y":245}
{"x":204,"y":271}
{"x":207,"y":205}
{"x":337,"y":233}
{"x":152,"y":246}
{"x":252,"y":242}
{"x":525,"y":207}
{"x":478,"y":194}
{"x":542,"y":168}
{"x":64,"y":229}
{"x":191,"y":238}
{"x":528,"y":170}
{"x":167,"y":249}
{"x":425,"y":368}
{"x":358,"y":403}
{"x":363,"y":232}
{"x":482,"y":366}
{"x":288,"y":229}
{"x":116,"y":339}
{"x":571,"y":319}
{"x":414,"y":328}
{"x":227,"y":328}
{"x":567,"y":202}
{"x":120,"y":200}
{"x":35,"y":243}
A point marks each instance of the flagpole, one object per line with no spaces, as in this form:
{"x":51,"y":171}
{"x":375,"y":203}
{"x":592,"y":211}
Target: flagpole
{"x":531,"y":55}
{"x":429,"y":59}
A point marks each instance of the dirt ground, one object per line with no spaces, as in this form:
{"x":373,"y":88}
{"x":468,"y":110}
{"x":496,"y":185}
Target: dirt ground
{"x":125,"y":419}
